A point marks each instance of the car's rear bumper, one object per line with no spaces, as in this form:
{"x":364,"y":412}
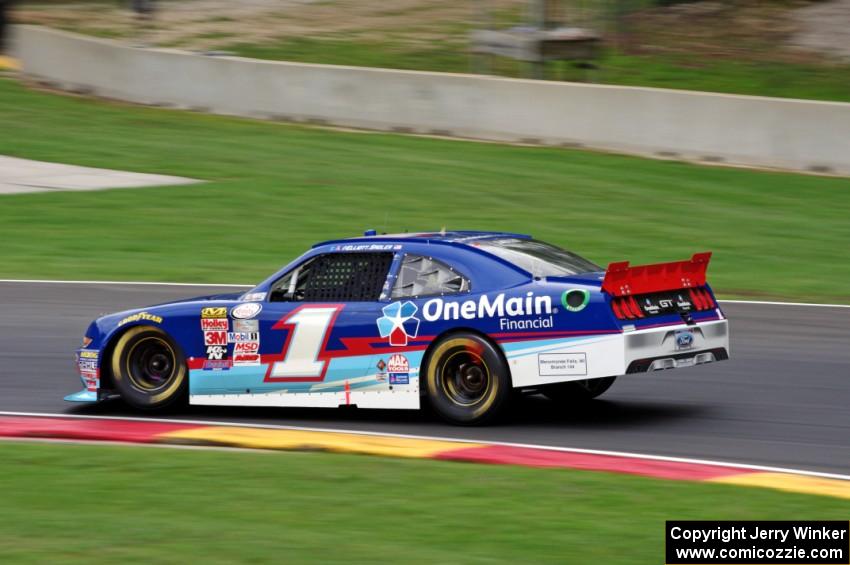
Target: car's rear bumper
{"x":541,"y":362}
{"x":660,"y":348}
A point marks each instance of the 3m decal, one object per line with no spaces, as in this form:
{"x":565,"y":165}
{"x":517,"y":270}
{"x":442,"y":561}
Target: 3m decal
{"x":217,"y":312}
{"x":399,"y":322}
{"x":215,"y":338}
{"x":309,"y":329}
{"x":141,"y":317}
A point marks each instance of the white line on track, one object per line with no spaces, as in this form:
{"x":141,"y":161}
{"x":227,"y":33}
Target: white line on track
{"x":148,"y":283}
{"x":764,"y":468}
{"x":767,"y":303}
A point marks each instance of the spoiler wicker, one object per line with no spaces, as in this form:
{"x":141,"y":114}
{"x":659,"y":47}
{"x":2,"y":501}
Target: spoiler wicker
{"x":623,"y":280}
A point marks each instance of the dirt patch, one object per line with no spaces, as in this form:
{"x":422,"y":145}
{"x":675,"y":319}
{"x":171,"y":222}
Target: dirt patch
{"x":204,"y":24}
{"x":781,"y":31}
{"x":752,"y":31}
{"x":824,"y":27}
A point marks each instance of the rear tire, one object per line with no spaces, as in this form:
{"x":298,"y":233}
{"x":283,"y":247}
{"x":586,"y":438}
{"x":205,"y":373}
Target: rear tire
{"x":578,"y":391}
{"x":148,"y":368}
{"x":467,"y":379}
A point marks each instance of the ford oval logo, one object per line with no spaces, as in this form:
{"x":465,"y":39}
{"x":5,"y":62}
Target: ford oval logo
{"x":684,"y":340}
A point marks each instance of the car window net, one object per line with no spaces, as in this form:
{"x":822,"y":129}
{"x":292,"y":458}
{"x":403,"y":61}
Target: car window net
{"x":347,"y":277}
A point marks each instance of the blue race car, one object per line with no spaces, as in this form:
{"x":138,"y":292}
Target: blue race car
{"x":463,"y":318}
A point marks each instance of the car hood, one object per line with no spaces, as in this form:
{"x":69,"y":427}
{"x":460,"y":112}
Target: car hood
{"x":205,"y":298}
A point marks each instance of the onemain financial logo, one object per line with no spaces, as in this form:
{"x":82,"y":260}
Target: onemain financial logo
{"x":496,"y":307}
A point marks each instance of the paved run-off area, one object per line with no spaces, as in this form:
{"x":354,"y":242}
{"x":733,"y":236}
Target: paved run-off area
{"x":19,"y":176}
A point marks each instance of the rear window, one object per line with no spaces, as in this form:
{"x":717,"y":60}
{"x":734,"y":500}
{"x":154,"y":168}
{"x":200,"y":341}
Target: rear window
{"x":538,"y":258}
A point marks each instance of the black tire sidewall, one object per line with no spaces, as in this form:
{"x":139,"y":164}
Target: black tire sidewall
{"x":147,"y":400}
{"x":491,"y":405}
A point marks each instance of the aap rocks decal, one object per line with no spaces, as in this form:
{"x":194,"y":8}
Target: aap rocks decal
{"x":246,"y":311}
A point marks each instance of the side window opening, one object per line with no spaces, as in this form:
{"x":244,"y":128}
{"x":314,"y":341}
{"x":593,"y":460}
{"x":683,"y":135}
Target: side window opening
{"x":424,"y":276}
{"x":335,"y":277}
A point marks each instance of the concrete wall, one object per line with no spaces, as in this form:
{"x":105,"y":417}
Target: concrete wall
{"x":746,"y":130}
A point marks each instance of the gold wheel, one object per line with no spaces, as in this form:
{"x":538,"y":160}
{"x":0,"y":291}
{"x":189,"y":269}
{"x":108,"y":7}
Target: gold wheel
{"x":148,"y":368}
{"x":467,"y":379}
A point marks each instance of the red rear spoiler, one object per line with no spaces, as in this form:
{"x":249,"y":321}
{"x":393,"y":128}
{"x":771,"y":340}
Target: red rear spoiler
{"x":622,"y":280}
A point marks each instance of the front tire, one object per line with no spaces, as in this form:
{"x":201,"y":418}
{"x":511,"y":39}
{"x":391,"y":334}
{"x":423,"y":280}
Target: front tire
{"x":467,"y":379}
{"x":148,"y":368}
{"x":578,"y":391}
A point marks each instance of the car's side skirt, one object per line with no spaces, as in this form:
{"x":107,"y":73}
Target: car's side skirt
{"x":398,"y":398}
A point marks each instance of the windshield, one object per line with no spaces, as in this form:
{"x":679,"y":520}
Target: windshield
{"x":538,"y":258}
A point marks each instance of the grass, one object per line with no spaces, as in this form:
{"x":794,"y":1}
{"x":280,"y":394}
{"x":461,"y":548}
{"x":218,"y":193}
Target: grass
{"x":275,"y":189}
{"x":97,"y":504}
{"x":436,"y":56}
{"x":663,"y":70}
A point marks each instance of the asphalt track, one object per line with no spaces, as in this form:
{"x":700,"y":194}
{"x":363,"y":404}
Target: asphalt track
{"x":782,"y":400}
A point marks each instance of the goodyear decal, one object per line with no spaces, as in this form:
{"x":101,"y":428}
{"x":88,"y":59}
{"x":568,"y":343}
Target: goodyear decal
{"x":141,"y":317}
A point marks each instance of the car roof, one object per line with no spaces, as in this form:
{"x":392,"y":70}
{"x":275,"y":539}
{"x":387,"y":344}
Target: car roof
{"x":456,"y":236}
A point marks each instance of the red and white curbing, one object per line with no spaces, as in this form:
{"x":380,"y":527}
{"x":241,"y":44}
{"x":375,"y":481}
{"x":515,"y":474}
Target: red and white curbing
{"x":178,"y":432}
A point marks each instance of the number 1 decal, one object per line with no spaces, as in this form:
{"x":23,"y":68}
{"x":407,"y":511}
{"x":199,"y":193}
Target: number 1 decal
{"x":309,"y":328}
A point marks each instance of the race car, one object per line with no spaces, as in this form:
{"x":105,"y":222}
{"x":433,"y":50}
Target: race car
{"x":465,"y":319}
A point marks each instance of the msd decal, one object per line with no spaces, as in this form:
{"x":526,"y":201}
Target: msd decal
{"x":246,"y":347}
{"x":399,"y":322}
